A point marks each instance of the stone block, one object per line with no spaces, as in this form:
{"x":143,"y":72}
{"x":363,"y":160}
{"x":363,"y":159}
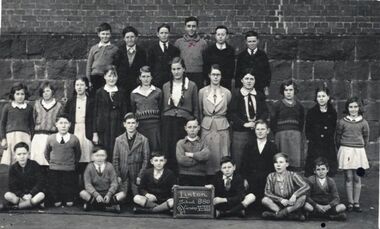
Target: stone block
{"x":35,"y":47}
{"x":23,"y":69}
{"x":5,"y":88}
{"x":303,"y":70}
{"x":360,"y":88}
{"x":281,"y":70}
{"x":366,"y":48}
{"x":374,"y":90}
{"x":374,"y":128}
{"x":40,"y":67}
{"x":350,"y":70}
{"x":340,"y":90}
{"x":18,"y":48}
{"x":306,"y":90}
{"x":324,"y":70}
{"x":326,"y":49}
{"x":65,"y":47}
{"x":61,"y":69}
{"x":5,"y":69}
{"x":283,"y":49}
{"x":372,"y":151}
{"x":372,"y":111}
{"x":274,"y":90}
{"x":81,"y":66}
{"x":5,"y":48}
{"x":375,"y":70}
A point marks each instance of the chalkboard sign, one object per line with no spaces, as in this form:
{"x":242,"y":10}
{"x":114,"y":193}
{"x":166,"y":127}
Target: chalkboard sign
{"x":193,"y":202}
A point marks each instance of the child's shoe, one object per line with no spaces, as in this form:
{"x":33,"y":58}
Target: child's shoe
{"x":41,"y":205}
{"x":57,"y":204}
{"x":86,"y":207}
{"x":117,"y":208}
{"x":241,"y":213}
{"x":140,"y":210}
{"x":69,"y":204}
{"x":350,"y":207}
{"x":357,"y":207}
{"x":339,"y":217}
{"x":268,"y":215}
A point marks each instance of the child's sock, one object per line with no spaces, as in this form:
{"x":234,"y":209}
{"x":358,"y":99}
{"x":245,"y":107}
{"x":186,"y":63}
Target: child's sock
{"x":149,"y":204}
{"x":25,"y":204}
{"x":357,"y":189}
{"x":349,"y":191}
{"x":162,"y":207}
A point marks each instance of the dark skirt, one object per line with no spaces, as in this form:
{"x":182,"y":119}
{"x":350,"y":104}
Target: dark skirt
{"x":112,"y":131}
{"x":318,"y":150}
{"x":150,"y":128}
{"x":173,"y":129}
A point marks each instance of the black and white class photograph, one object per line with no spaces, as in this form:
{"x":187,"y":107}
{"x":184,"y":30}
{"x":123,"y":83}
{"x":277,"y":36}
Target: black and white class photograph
{"x":203,"y":114}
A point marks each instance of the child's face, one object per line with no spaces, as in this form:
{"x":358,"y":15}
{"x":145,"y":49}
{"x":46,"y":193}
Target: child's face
{"x":192,"y":128}
{"x":163,"y":34}
{"x":281,"y":164}
{"x":177,"y":70}
{"x":145,"y":78}
{"x":130,"y":39}
{"x":104,"y":36}
{"x":99,"y":156}
{"x":227,"y":169}
{"x":21,"y":155}
{"x":47,"y":93}
{"x":19,"y":96}
{"x":130,"y":125}
{"x":80,"y":87}
{"x":221,"y":36}
{"x":322,"y":98}
{"x":158,"y":162}
{"x":261,"y":131}
{"x":289,"y":92}
{"x":62,"y":125}
{"x":252,"y":42}
{"x":248,"y":81}
{"x":353,"y":109}
{"x":321,"y":171}
{"x":191,"y":28}
{"x":111,"y":78}
{"x":215,"y":76}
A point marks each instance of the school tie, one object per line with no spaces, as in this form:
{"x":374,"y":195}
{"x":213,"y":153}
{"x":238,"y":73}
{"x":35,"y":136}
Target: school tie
{"x":165,"y":47}
{"x":62,"y":141}
{"x":251,"y":108}
{"x":228,"y":183}
{"x":251,"y":52}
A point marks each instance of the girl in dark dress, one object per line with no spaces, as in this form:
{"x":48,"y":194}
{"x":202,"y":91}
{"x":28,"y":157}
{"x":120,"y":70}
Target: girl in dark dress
{"x":320,"y":129}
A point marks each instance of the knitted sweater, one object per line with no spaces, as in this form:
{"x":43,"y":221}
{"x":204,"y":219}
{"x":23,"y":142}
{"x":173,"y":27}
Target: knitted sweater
{"x":192,"y":49}
{"x":324,"y":195}
{"x":146,"y":107}
{"x":99,"y":58}
{"x":161,"y":188}
{"x":45,"y":119}
{"x":225,"y":58}
{"x":96,"y":183}
{"x":195,"y":165}
{"x":25,"y":180}
{"x":352,"y":134}
{"x":16,"y":119}
{"x":287,"y":116}
{"x":63,"y":157}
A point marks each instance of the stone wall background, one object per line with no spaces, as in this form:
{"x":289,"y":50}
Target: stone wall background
{"x":310,"y":41}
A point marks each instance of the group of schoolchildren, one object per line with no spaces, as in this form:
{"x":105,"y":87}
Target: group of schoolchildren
{"x":135,"y":134}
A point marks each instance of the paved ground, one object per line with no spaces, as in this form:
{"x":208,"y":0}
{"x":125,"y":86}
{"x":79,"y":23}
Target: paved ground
{"x":75,"y":218}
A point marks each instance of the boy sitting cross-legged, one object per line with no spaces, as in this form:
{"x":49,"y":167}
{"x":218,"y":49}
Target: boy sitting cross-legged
{"x":230,"y":197}
{"x":101,"y":184}
{"x":155,"y":190}
{"x":285,"y":192}
{"x":324,"y":197}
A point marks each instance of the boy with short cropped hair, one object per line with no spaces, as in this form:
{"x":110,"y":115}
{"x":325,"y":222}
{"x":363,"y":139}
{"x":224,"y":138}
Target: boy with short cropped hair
{"x":191,"y":47}
{"x":100,"y":55}
{"x":192,"y":154}
{"x":160,"y":55}
{"x":230,"y":197}
{"x":26,"y":182}
{"x":323,"y":198}
{"x":285,"y":192}
{"x":101,"y":184}
{"x":130,"y":155}
{"x":63,"y":153}
{"x":220,"y":53}
{"x":155,"y":190}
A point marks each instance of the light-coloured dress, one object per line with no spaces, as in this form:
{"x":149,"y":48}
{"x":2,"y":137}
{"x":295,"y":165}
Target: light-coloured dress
{"x":80,"y":130}
{"x":213,"y":106}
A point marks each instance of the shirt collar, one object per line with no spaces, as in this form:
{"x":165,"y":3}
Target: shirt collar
{"x":225,"y":177}
{"x":19,"y":106}
{"x":192,"y":140}
{"x":245,"y":92}
{"x":109,"y":89}
{"x":49,"y":104}
{"x":101,"y":44}
{"x":130,"y":49}
{"x":254,"y":51}
{"x":139,"y":91}
{"x":66,"y":137}
{"x":357,"y":119}
{"x":221,"y":47}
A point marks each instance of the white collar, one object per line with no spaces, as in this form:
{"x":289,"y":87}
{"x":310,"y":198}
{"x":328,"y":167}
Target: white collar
{"x":192,"y":139}
{"x":59,"y":136}
{"x":245,"y":92}
{"x":130,"y":49}
{"x":357,"y":119}
{"x":221,"y":47}
{"x":139,"y":91}
{"x":110,"y":89}
{"x":101,"y":44}
{"x":186,"y":86}
{"x":249,"y":51}
{"x":48,"y":105}
{"x":322,"y":181}
{"x":225,"y":177}
{"x":19,"y":106}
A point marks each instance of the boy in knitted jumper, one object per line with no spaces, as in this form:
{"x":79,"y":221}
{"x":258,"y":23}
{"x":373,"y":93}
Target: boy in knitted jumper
{"x":101,"y":184}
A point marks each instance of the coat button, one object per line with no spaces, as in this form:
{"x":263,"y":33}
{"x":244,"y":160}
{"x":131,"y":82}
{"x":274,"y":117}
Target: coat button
{"x":322,"y":136}
{"x":325,"y":127}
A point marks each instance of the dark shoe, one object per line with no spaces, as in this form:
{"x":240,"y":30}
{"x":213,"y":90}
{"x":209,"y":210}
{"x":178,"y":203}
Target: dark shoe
{"x":117,"y":208}
{"x":140,"y":210}
{"x":339,"y":217}
{"x":301,"y":217}
{"x":86,"y":207}
{"x":41,"y":205}
{"x":268,"y":215}
{"x":217,"y":214}
{"x":350,"y":207}
{"x":357,"y":207}
{"x":241,"y":213}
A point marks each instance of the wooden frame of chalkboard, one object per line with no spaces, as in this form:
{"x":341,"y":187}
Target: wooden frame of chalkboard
{"x":193,"y":202}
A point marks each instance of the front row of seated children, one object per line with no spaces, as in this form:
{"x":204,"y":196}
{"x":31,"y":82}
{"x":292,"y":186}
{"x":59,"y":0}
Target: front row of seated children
{"x":286,"y":194}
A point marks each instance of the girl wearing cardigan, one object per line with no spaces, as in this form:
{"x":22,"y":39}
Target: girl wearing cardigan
{"x":180,"y":103}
